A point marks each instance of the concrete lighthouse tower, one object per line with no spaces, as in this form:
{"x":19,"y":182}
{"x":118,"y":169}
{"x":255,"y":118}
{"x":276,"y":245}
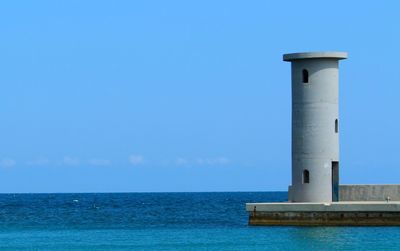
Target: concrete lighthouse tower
{"x":314,"y":193}
{"x":315,"y":126}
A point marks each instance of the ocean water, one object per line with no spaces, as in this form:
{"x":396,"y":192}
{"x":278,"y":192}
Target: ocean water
{"x":166,"y":221}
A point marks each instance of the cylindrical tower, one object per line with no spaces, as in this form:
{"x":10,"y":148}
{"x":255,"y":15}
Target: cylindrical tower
{"x":315,"y":126}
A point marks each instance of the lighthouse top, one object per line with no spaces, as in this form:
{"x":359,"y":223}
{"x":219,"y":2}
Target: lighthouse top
{"x":309,"y":55}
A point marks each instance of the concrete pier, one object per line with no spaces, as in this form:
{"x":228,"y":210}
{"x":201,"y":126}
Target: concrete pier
{"x":357,"y":213}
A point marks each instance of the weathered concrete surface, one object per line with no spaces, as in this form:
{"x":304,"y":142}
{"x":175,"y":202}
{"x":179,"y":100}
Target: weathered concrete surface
{"x":369,"y":192}
{"x":325,"y":219}
{"x":365,"y":192}
{"x":350,"y":206}
{"x":325,"y":214}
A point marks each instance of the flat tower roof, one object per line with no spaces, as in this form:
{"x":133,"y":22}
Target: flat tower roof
{"x":308,"y":55}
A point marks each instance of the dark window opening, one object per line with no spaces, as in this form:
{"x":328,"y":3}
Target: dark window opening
{"x":336,"y":126}
{"x":306,"y":176}
{"x":335,"y":181}
{"x":305,"y":76}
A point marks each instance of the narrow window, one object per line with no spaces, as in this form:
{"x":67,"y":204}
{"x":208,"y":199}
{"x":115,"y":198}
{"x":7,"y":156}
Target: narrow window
{"x":335,"y":181}
{"x":336,"y":126}
{"x":306,"y":176}
{"x":305,"y":76}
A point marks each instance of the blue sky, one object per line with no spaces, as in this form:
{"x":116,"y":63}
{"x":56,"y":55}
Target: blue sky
{"x":133,"y":96}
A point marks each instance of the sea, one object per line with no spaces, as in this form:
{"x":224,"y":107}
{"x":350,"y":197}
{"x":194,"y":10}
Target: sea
{"x":166,"y":221}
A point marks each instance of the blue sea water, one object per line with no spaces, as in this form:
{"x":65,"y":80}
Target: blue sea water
{"x":166,"y":221}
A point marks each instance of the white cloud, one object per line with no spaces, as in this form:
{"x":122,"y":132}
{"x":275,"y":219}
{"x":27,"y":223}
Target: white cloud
{"x":38,"y":162}
{"x":136,"y":159}
{"x":70,"y":161}
{"x":212,"y":161}
{"x":203,"y":161}
{"x":99,"y":162}
{"x":222,"y":160}
{"x":6,"y":162}
{"x":181,"y":161}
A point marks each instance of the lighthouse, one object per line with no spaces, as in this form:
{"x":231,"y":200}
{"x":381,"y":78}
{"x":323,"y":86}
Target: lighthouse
{"x":313,"y":198}
{"x":315,"y":126}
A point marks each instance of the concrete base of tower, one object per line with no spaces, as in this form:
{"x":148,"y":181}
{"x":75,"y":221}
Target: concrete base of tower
{"x":355,"y":213}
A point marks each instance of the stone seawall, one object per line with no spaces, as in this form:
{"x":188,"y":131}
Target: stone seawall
{"x":345,"y":213}
{"x":366,"y":192}
{"x":369,"y":192}
{"x":324,"y":219}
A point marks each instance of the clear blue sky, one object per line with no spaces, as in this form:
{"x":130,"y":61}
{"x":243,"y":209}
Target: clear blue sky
{"x":108,"y":96}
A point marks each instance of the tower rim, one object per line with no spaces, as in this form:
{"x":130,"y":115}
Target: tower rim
{"x":314,"y":55}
